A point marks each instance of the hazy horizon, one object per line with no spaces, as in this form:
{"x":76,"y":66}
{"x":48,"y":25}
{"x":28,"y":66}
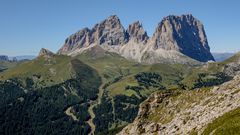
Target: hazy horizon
{"x":27,"y":26}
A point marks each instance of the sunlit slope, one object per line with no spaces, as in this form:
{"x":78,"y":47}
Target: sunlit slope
{"x":44,"y":71}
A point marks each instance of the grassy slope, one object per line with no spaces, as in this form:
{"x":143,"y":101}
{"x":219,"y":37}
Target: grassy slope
{"x":234,"y":58}
{"x":111,"y":66}
{"x":44,"y":71}
{"x":7,"y":65}
{"x":228,"y":124}
{"x":170,"y":74}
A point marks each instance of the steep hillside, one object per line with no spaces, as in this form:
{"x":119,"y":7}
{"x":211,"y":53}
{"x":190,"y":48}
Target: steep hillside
{"x":95,"y":86}
{"x":189,"y":112}
{"x":212,"y":73}
{"x":39,"y":106}
{"x":209,"y":103}
{"x":126,"y":84}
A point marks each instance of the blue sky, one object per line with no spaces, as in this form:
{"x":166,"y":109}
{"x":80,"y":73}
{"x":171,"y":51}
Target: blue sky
{"x":28,"y":25}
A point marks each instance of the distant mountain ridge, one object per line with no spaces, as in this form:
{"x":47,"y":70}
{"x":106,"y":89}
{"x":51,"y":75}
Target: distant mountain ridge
{"x":4,"y":58}
{"x":14,"y":58}
{"x":177,"y":39}
{"x":222,"y":56}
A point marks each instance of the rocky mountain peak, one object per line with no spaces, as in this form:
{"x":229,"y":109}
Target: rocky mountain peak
{"x":136,"y":31}
{"x":113,"y":20}
{"x":80,"y":39}
{"x":184,"y":34}
{"x":45,"y":52}
{"x":110,"y":32}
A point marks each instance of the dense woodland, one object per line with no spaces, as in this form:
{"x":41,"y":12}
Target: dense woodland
{"x":27,"y":110}
{"x":125,"y":110}
{"x":149,"y":79}
{"x":207,"y":80}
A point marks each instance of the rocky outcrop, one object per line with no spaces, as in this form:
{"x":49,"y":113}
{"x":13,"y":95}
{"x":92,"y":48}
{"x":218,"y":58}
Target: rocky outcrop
{"x":232,"y":65}
{"x":173,"y":113}
{"x":175,"y":37}
{"x":45,"y":52}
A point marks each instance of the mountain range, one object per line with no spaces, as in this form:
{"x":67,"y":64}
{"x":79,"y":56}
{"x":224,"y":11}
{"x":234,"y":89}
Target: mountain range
{"x":177,"y":39}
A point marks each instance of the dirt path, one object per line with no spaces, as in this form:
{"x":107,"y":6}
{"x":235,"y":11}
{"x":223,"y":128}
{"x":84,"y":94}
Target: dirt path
{"x":90,"y":109}
{"x":69,"y":113}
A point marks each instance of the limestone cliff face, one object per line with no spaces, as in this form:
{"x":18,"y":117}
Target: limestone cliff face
{"x":176,"y":39}
{"x":173,"y":113}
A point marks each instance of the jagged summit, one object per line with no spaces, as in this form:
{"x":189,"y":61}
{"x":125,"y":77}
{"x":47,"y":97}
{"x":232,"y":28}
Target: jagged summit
{"x":137,"y":32}
{"x":110,"y":32}
{"x":45,"y":52}
{"x":175,"y":39}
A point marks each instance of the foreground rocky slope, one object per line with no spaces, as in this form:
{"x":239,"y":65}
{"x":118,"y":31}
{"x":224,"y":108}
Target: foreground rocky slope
{"x":177,"y":39}
{"x":185,"y":112}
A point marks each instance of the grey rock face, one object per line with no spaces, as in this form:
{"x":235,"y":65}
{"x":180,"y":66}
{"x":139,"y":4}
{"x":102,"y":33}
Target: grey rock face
{"x":174,"y":34}
{"x":137,"y":32}
{"x":109,"y":32}
{"x":77,"y":40}
{"x":184,"y":34}
{"x":4,"y":58}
